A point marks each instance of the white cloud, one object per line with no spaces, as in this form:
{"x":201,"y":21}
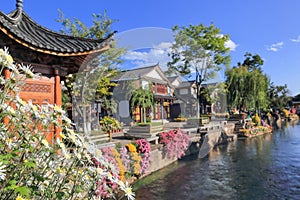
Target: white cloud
{"x":296,"y":40}
{"x":135,"y":55}
{"x":231,"y":45}
{"x":156,"y":54}
{"x":275,"y":47}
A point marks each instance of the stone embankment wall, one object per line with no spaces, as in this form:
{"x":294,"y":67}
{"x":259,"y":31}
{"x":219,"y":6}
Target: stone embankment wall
{"x":159,"y":160}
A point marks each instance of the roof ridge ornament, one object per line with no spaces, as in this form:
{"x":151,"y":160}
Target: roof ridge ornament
{"x":19,"y":4}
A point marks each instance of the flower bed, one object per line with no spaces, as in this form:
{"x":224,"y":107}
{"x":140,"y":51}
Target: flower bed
{"x":254,"y":131}
{"x":180,"y":119}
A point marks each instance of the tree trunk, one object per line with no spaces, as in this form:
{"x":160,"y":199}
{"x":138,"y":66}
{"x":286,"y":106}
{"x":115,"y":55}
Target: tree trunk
{"x":144,"y":111}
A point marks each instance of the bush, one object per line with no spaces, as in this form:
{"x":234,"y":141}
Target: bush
{"x":176,"y":142}
{"x":109,"y":124}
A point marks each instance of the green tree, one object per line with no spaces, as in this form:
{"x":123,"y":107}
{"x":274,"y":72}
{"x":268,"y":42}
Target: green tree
{"x":252,"y":62}
{"x":247,"y":85}
{"x":199,"y":49}
{"x":278,"y":96}
{"x":144,"y":99}
{"x":93,"y":80}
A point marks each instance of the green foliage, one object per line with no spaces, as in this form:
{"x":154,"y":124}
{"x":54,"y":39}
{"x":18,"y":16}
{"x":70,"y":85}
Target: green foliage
{"x":252,"y":61}
{"x":199,"y":49}
{"x":93,"y":80}
{"x":278,"y":96}
{"x":142,"y":98}
{"x":101,"y":26}
{"x":247,"y":86}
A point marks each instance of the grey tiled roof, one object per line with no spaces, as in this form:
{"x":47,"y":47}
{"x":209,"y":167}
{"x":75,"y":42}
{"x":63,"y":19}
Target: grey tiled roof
{"x":20,"y":27}
{"x":172,"y":78}
{"x":133,"y":74}
{"x":185,"y":84}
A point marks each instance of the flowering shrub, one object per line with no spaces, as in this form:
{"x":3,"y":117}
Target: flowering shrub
{"x":176,"y":142}
{"x":144,"y":148}
{"x":34,"y":165}
{"x":257,"y":129}
{"x":286,"y":112}
{"x":131,"y":160}
{"x":109,"y":124}
{"x":125,"y":157}
{"x":135,"y":158}
{"x":256,"y":119}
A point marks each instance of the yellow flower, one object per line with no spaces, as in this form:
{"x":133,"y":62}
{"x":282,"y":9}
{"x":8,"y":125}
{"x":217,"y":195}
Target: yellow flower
{"x":45,"y":142}
{"x":62,"y":135}
{"x":131,"y":147}
{"x":9,"y":59}
{"x":12,"y":111}
{"x":19,"y":198}
{"x":34,"y":107}
{"x":99,"y":170}
{"x":23,"y":103}
{"x":58,"y":109}
{"x":59,"y":170}
{"x":72,"y":137}
{"x":67,"y":156}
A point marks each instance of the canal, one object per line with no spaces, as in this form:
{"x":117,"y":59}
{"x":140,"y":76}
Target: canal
{"x":265,"y":167}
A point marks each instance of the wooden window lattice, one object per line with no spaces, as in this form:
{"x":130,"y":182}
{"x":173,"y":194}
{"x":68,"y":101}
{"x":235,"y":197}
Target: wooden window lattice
{"x":30,"y":87}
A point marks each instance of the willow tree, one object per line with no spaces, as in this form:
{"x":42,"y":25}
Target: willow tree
{"x":201,"y":50}
{"x":247,"y":85}
{"x":143,"y":98}
{"x":92,"y":80}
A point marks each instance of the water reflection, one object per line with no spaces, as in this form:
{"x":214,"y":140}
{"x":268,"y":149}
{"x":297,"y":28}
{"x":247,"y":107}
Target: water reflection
{"x":266,"y":167}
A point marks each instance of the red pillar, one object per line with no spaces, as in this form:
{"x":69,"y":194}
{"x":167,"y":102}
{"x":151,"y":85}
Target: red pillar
{"x":7,"y":76}
{"x":57,"y":97}
{"x":58,"y":92}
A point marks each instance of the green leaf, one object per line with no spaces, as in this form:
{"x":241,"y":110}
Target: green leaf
{"x":59,"y":195}
{"x":23,"y":190}
{"x":30,"y":164}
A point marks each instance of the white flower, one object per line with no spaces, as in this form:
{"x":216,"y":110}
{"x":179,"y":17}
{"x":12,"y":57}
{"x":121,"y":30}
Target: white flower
{"x":2,"y":171}
{"x":127,"y":190}
{"x":5,"y":59}
{"x":2,"y":80}
{"x":2,"y":135}
{"x":45,"y":142}
{"x":27,"y":70}
{"x":59,"y":109}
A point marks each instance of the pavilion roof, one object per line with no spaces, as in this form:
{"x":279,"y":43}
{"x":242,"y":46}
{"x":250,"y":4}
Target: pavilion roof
{"x":21,"y":28}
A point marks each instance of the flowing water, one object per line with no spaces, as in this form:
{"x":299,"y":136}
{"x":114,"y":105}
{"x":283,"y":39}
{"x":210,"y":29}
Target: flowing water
{"x":265,"y":167}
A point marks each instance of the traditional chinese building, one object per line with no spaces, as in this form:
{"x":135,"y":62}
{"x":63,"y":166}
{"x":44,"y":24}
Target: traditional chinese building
{"x":151,"y":77}
{"x":51,"y":54}
{"x":186,"y":103}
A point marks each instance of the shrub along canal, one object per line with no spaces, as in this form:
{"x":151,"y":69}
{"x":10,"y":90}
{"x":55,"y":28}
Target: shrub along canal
{"x":264,"y":167}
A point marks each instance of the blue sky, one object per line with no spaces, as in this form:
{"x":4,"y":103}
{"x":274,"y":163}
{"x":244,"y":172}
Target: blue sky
{"x":269,"y":28}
